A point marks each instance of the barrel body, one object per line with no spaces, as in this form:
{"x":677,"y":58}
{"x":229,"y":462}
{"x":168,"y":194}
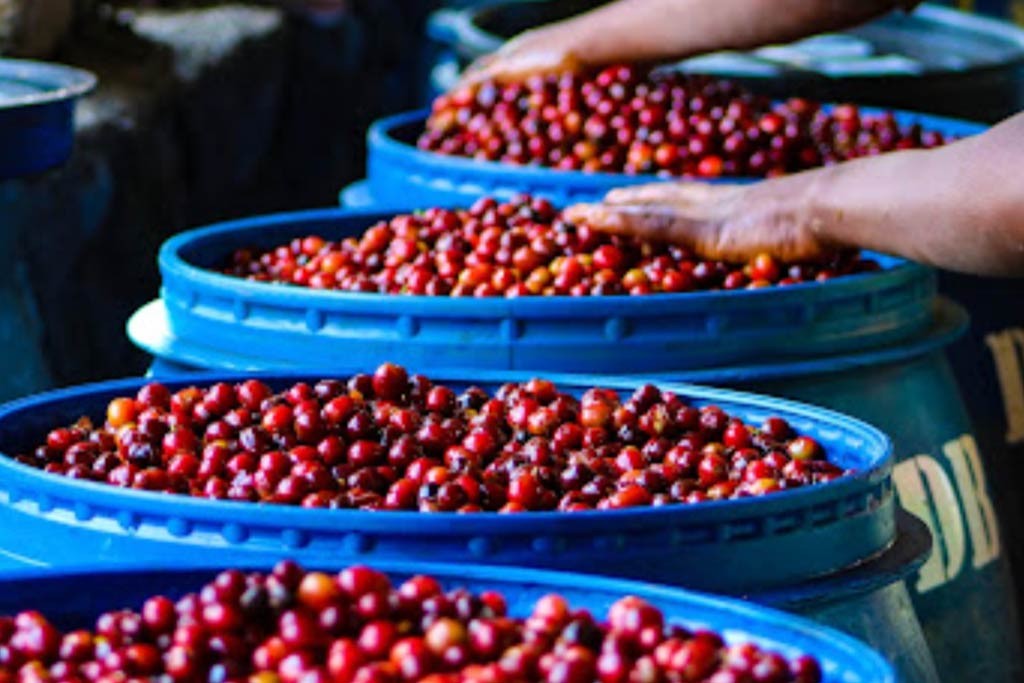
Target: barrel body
{"x":964,"y":594}
{"x":75,"y":600}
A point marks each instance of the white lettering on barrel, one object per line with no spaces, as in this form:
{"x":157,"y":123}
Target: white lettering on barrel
{"x":925,"y":490}
{"x":1006,"y":351}
{"x":982,"y":522}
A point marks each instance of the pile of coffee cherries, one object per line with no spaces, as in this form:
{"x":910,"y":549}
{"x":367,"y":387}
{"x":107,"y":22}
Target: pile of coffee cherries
{"x":293,"y":626}
{"x":388,"y":441}
{"x":625,"y":119}
{"x":521,"y":247}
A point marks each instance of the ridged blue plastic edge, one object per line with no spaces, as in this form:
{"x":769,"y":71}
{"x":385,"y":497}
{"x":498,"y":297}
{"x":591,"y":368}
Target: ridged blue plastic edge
{"x":149,"y":329}
{"x":752,"y":543}
{"x":654,"y":333}
{"x":37,"y":121}
{"x":76,"y":599}
{"x":398,"y":171}
{"x":359,"y":196}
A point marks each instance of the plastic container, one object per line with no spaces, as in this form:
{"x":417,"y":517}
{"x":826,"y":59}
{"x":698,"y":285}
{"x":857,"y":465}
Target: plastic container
{"x":963,"y":593}
{"x":401,"y":174}
{"x":902,"y":60}
{"x":911,"y":393}
{"x":899,"y":60}
{"x":296,"y":327}
{"x":37,"y":106}
{"x":989,"y":362}
{"x":843,"y":523}
{"x":75,"y":600}
{"x":836,"y":549}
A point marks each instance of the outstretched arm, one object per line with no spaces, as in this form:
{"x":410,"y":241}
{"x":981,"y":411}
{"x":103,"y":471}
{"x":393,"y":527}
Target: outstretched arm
{"x":959,"y":207}
{"x":662,"y":30}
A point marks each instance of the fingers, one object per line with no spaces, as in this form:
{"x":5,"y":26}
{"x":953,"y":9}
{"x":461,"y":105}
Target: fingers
{"x":707,"y":236}
{"x":679,"y":193}
{"x":731,"y":223}
{"x":478,"y":71}
{"x":656,"y":222}
{"x":519,"y":60}
{"x":521,"y":67}
{"x":642,"y":194}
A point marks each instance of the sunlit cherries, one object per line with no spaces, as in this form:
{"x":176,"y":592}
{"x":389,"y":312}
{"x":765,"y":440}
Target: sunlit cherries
{"x":516,"y":248}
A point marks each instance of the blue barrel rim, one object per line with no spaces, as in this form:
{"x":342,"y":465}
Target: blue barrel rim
{"x":909,"y":551}
{"x":148,"y":329}
{"x":37,"y":106}
{"x":57,"y":82}
{"x":845,"y":521}
{"x":171,"y":262}
{"x":665,"y":331}
{"x":870,"y":437}
{"x":950,"y":322}
{"x":461,"y":22}
{"x":358,"y":195}
{"x":381,"y":140}
{"x":672,"y":601}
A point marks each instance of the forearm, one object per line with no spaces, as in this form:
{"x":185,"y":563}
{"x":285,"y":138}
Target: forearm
{"x":960,"y":207}
{"x":660,"y":30}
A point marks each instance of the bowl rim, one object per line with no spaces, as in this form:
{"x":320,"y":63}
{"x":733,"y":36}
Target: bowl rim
{"x":177,"y":269}
{"x":381,"y":139}
{"x":149,"y":330}
{"x":16,"y":479}
{"x":62,"y":82}
{"x":673,"y":601}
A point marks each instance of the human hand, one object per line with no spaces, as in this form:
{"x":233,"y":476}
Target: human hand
{"x":732,"y":223}
{"x":539,"y":51}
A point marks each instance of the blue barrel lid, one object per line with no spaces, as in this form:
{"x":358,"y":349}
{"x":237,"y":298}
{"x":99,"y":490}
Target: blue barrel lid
{"x":753,"y":543}
{"x":74,"y":599}
{"x":37,"y":114}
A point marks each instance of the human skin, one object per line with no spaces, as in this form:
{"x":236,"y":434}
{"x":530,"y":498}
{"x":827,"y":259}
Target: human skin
{"x":958,"y":207}
{"x":662,"y":30}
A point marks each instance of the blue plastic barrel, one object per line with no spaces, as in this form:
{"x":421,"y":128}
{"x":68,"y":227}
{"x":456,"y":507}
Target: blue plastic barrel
{"x":942,"y":475}
{"x":755,"y":543}
{"x":37,"y":105}
{"x":285,"y":326}
{"x":75,"y":600}
{"x":903,"y":60}
{"x":988,"y":364}
{"x":400,"y":174}
{"x":215,"y":322}
{"x":963,"y":593}
{"x":831,"y":552}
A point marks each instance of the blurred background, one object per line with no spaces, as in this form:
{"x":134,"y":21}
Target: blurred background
{"x":208,"y":110}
